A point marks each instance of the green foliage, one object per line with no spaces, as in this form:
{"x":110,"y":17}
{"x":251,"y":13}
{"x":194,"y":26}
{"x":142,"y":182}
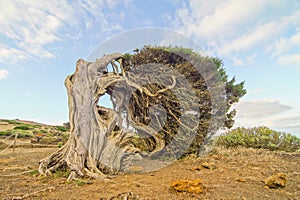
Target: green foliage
{"x":4,"y":133}
{"x":54,"y":134}
{"x":65,"y":136}
{"x":44,"y":131}
{"x":61,"y":128}
{"x":187,"y":63}
{"x":34,"y":172}
{"x":259,"y":138}
{"x":23,"y":127}
{"x":60,"y":144}
{"x":127,"y":56}
{"x":79,"y":182}
{"x":25,"y":135}
{"x":21,"y":133}
{"x":234,"y":91}
{"x":61,"y":173}
{"x":11,"y":121}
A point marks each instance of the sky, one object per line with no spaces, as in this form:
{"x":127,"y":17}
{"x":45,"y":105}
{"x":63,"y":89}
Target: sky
{"x":258,"y":41}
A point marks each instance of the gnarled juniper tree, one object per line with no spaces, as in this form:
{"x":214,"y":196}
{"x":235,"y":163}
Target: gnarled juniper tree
{"x":177,"y":82}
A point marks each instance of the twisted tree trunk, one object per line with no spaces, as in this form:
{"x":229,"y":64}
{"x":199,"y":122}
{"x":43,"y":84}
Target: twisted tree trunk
{"x":91,"y":148}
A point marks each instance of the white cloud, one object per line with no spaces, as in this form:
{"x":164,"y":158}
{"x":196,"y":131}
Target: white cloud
{"x":11,"y":55}
{"x":113,"y":3}
{"x":287,"y":123}
{"x":3,"y":73}
{"x":232,"y":28}
{"x":239,"y":61}
{"x":245,"y":42}
{"x":271,"y":113}
{"x":260,"y":108}
{"x":219,"y":19}
{"x":289,"y":60}
{"x":30,"y":26}
{"x":284,"y":44}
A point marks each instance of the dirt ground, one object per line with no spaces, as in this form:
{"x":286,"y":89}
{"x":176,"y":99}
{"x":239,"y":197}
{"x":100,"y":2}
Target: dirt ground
{"x":233,"y":174}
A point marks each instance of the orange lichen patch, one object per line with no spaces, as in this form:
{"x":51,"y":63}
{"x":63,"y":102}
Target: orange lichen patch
{"x":190,"y":186}
{"x":276,"y":180}
{"x":39,"y":135}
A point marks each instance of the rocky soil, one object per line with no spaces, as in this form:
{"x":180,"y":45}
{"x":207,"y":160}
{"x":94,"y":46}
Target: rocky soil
{"x":223,"y":174}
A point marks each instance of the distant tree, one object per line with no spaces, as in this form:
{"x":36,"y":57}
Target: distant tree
{"x":179,"y":80}
{"x":66,"y":125}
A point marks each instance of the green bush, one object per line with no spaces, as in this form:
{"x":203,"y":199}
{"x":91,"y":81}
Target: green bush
{"x":33,"y":172}
{"x":3,"y":133}
{"x":21,"y":133}
{"x":61,"y":128}
{"x":259,"y":138}
{"x":7,"y":132}
{"x":60,"y":144}
{"x":61,"y":173}
{"x":65,"y":136}
{"x":11,"y":121}
{"x":44,"y":131}
{"x":23,"y":127}
{"x":25,"y":135}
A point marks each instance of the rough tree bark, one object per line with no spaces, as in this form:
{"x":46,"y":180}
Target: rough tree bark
{"x":88,"y":143}
{"x":108,"y":140}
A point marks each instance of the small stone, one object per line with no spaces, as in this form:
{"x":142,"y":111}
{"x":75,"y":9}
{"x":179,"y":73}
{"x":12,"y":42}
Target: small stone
{"x":137,"y":184}
{"x":276,"y":180}
{"x":288,"y":193}
{"x":17,"y":198}
{"x":242,"y":180}
{"x":125,"y":195}
{"x":208,"y":165}
{"x":28,"y":167}
{"x":196,"y":168}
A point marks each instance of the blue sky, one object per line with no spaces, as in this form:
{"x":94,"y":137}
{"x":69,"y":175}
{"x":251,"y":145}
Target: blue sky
{"x":258,"y":41}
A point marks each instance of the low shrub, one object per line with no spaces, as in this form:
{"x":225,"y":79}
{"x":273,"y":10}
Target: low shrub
{"x":44,"y":131}
{"x":259,"y":138}
{"x":11,"y":121}
{"x":60,"y":144}
{"x":33,"y":172}
{"x":21,"y":133}
{"x":3,"y":133}
{"x":7,"y":132}
{"x":61,"y":128}
{"x":25,"y":134}
{"x":23,"y":127}
{"x":64,"y":172}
